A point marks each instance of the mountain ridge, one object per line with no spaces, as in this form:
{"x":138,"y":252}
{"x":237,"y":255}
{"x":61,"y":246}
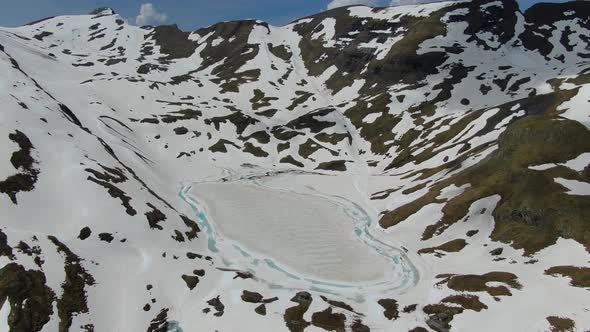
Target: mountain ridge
{"x":460,"y":130}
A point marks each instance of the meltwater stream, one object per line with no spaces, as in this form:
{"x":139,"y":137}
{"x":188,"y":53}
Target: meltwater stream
{"x":291,"y":240}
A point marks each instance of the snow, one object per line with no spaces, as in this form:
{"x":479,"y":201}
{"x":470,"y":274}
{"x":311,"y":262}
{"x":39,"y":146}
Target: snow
{"x":387,"y":13}
{"x":4,"y":311}
{"x":327,"y":32}
{"x":382,"y":48}
{"x":574,"y":187}
{"x":292,"y":227}
{"x":216,"y":41}
{"x":310,"y":235}
{"x":542,"y":167}
{"x":371,"y":117}
{"x":577,"y":164}
{"x":452,"y":191}
{"x":575,"y":108}
{"x":492,"y":4}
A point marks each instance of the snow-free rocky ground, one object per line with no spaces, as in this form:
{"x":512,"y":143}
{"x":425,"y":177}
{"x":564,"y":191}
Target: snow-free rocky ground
{"x":413,"y":168}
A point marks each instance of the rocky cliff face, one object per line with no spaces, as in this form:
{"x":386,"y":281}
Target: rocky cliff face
{"x":466,"y":123}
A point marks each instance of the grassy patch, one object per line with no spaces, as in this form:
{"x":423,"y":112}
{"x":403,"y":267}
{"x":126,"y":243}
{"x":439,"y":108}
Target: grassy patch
{"x":294,"y":315}
{"x":301,"y":98}
{"x":335,"y":165}
{"x":467,"y":301}
{"x":580,"y":276}
{"x":451,"y":246}
{"x":30,"y":299}
{"x":220,"y":146}
{"x":73,"y":300}
{"x":391,"y":308}
{"x":24,"y":163}
{"x":259,"y":100}
{"x":534,"y":210}
{"x":478,"y":283}
{"x":280,"y":51}
{"x":380,"y":132}
{"x":559,"y":324}
{"x":254,"y":150}
{"x":291,"y":160}
{"x":328,"y":320}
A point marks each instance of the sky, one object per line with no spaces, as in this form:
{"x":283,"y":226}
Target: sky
{"x":188,"y":14}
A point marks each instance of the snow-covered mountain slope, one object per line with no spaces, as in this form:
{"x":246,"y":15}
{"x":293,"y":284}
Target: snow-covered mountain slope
{"x":412,"y":168}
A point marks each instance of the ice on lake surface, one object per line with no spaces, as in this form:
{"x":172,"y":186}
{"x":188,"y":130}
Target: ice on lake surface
{"x":309,"y":234}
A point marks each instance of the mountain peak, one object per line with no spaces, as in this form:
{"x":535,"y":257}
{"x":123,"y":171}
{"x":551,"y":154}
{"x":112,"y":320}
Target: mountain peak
{"x":103,"y":11}
{"x":414,"y":168}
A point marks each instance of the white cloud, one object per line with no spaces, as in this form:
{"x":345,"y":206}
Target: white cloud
{"x":149,"y":15}
{"x":342,"y":3}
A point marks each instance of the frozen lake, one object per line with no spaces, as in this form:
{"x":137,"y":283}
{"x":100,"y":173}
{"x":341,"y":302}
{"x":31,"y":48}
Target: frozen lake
{"x":308,"y":234}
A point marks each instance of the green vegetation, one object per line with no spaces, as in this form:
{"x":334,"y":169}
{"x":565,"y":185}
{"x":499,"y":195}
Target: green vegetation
{"x":220,"y":146}
{"x":534,"y":210}
{"x":380,"y":132}
{"x":580,"y":276}
{"x":254,"y":150}
{"x":291,"y":160}
{"x":302,"y":97}
{"x":391,"y":307}
{"x":333,"y":138}
{"x":451,"y":246}
{"x":30,"y":299}
{"x":73,"y":300}
{"x":294,"y":315}
{"x":478,"y":283}
{"x":259,"y":100}
{"x":335,"y":165}
{"x":280,"y":51}
{"x":560,"y":324}
{"x":23,"y":162}
{"x":467,"y":301}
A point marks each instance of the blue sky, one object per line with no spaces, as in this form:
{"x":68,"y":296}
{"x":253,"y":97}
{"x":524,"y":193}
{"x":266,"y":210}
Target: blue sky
{"x":188,"y":14}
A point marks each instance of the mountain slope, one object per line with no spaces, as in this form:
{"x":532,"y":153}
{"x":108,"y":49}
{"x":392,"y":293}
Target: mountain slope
{"x":460,"y":129}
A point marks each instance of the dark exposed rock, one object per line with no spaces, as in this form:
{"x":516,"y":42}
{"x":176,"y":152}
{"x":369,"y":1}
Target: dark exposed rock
{"x":85,"y":233}
{"x":154,"y":217}
{"x":160,"y":322}
{"x":42,"y":35}
{"x":261,"y":310}
{"x":191,"y":281}
{"x":30,"y":299}
{"x":22,"y":161}
{"x":73,"y":300}
{"x":106,"y":237}
{"x":115,"y":192}
{"x":329,"y":320}
{"x":338,"y":304}
{"x":103,"y":11}
{"x":180,"y":131}
{"x":294,"y":315}
{"x":251,"y":297}
{"x":441,"y":316}
{"x":496,"y":252}
{"x":291,"y":160}
{"x":173,"y":42}
{"x":193,"y":228}
{"x":5,"y":249}
{"x":410,"y":308}
{"x":391,"y":308}
{"x":335,"y":165}
{"x":217,"y":305}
